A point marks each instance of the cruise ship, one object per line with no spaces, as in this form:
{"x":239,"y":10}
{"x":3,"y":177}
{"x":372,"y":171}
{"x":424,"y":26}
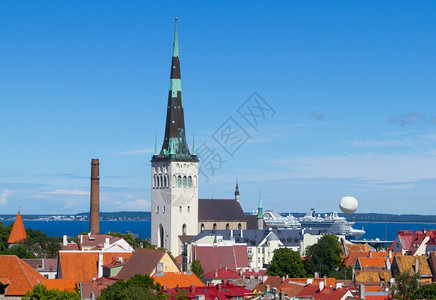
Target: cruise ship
{"x":328,"y":224}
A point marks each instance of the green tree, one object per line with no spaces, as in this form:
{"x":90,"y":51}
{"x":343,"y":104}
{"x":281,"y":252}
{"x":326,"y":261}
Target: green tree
{"x":406,"y":286}
{"x":134,"y":242}
{"x":5,"y":231}
{"x":324,"y":256}
{"x":427,"y":291}
{"x":286,"y":262}
{"x":196,"y":268}
{"x":39,"y":292}
{"x":137,"y":287}
{"x":22,"y":251}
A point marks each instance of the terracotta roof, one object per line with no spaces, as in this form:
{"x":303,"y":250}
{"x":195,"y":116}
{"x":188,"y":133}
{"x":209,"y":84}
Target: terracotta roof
{"x":274,"y":282}
{"x":292,"y":289}
{"x":406,"y":263}
{"x":374,"y":288}
{"x":373,"y":262}
{"x":432,"y":263}
{"x":352,"y":258}
{"x":70,"y":246}
{"x":60,"y":284}
{"x":184,"y":238}
{"x":171,"y":280}
{"x":4,"y":281}
{"x":220,"y":210}
{"x":95,"y":241}
{"x":326,"y":293}
{"x":21,"y":276}
{"x":143,"y":261}
{"x":95,"y":287}
{"x":358,"y":247}
{"x":328,"y":281}
{"x":410,"y":241}
{"x":18,"y":233}
{"x":211,"y":258}
{"x":82,"y":265}
{"x":221,"y":273}
{"x":385,"y":275}
{"x":367,"y":278}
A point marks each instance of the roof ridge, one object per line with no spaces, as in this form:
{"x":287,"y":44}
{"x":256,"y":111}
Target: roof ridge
{"x":22,"y":269}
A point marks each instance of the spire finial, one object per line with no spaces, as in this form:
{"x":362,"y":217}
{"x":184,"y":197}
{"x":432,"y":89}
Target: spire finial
{"x":193,"y":145}
{"x":259,"y":207}
{"x":176,"y":41}
{"x":155,"y":145}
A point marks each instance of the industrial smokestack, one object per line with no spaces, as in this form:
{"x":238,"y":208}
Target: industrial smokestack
{"x":94,"y":215}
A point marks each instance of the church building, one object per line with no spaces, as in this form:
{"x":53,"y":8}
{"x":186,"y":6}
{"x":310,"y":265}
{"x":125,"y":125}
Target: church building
{"x":177,"y":215}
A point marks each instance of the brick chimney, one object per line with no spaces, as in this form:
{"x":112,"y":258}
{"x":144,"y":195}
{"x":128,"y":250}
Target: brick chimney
{"x":94,"y":215}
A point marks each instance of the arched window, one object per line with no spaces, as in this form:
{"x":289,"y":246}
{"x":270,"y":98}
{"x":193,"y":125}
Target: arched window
{"x":202,"y":227}
{"x":161,"y":236}
{"x":184,"y":229}
{"x":227,"y":226}
{"x":179,"y":181}
{"x":165,"y":181}
{"x":163,"y":209}
{"x":160,"y":181}
{"x":189,"y":209}
{"x":214,"y":226}
{"x":157,"y":209}
{"x":239,"y":226}
{"x":185,"y":181}
{"x":190,"y":181}
{"x":154,"y":181}
{"x":180,"y":209}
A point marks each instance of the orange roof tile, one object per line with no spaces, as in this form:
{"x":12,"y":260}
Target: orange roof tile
{"x":372,"y":262}
{"x":374,"y":288}
{"x":358,"y":247}
{"x":21,"y":276}
{"x":82,"y":265}
{"x":18,"y":233}
{"x":367,"y":278}
{"x":171,"y":280}
{"x":352,"y":258}
{"x":60,"y":284}
{"x":406,"y":263}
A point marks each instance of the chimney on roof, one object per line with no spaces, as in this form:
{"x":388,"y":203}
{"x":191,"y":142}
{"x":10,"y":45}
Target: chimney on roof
{"x":267,"y":288}
{"x":321,"y":285}
{"x":388,"y":265}
{"x":64,"y":240}
{"x":199,"y":297}
{"x":216,"y":273}
{"x":309,"y":281}
{"x":242,"y":235}
{"x":94,"y":215}
{"x":361,"y":292}
{"x":106,"y":242}
{"x":370,"y":253}
{"x":100,"y":264}
{"x":416,"y":264}
{"x":390,"y":253}
{"x":188,"y":269}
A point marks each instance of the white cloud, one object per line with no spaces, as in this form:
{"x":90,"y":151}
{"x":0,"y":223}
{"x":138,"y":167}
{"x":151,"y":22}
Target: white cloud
{"x":68,"y":192}
{"x":4,"y":196}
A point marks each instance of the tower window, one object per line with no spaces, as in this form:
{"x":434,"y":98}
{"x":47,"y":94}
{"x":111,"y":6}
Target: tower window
{"x":185,"y":182}
{"x":165,"y":181}
{"x":157,"y":209}
{"x":190,"y":181}
{"x":239,"y":226}
{"x":202,"y":227}
{"x":214,"y":226}
{"x":179,"y":181}
{"x":189,"y":209}
{"x":180,"y":209}
{"x":163,"y":209}
{"x":227,"y":226}
{"x":184,"y":229}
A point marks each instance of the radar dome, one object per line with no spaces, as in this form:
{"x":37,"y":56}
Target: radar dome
{"x":348,"y":204}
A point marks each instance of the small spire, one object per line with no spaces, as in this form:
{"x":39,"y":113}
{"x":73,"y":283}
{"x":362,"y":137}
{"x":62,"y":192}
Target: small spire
{"x":193,"y":145}
{"x":155,"y":146}
{"x":237,"y":191}
{"x":259,"y":207}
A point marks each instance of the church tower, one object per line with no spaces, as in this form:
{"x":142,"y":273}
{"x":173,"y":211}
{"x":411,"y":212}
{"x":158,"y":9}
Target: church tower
{"x":174,"y":173}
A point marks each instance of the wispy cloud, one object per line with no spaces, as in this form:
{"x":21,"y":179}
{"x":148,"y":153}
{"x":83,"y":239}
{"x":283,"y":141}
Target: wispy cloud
{"x":64,"y":175}
{"x":135,"y":152}
{"x":317,"y":115}
{"x":68,"y":192}
{"x":4,"y":196}
{"x":411,"y":118}
{"x":138,"y":204}
{"x":374,"y":143}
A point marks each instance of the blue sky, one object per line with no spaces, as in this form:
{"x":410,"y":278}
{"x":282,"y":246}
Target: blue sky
{"x":350,"y":87}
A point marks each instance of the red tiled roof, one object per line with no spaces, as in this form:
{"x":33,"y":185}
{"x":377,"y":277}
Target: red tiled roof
{"x":326,"y":293}
{"x":172,"y":280}
{"x":18,"y":234}
{"x":273,"y":281}
{"x":373,"y":262}
{"x":231,"y":256}
{"x":21,"y":276}
{"x":82,"y":265}
{"x":351,"y":260}
{"x":221,"y":273}
{"x":219,"y":291}
{"x":60,"y":284}
{"x":95,"y":241}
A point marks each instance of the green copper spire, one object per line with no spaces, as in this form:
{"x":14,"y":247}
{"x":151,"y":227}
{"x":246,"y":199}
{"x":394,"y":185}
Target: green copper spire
{"x":259,"y":207}
{"x":176,"y":43}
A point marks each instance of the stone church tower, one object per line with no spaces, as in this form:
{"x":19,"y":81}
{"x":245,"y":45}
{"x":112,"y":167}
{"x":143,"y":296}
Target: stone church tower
{"x":174,"y":173}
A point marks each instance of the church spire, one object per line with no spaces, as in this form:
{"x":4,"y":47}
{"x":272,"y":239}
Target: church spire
{"x":259,"y":207}
{"x":174,"y":145}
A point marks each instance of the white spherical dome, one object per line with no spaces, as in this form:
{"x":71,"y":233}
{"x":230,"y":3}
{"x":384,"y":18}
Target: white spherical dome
{"x":348,"y":204}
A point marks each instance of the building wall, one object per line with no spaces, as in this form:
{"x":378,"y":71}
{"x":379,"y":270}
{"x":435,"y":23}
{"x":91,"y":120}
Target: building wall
{"x":221,"y":225}
{"x":174,"y":202}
